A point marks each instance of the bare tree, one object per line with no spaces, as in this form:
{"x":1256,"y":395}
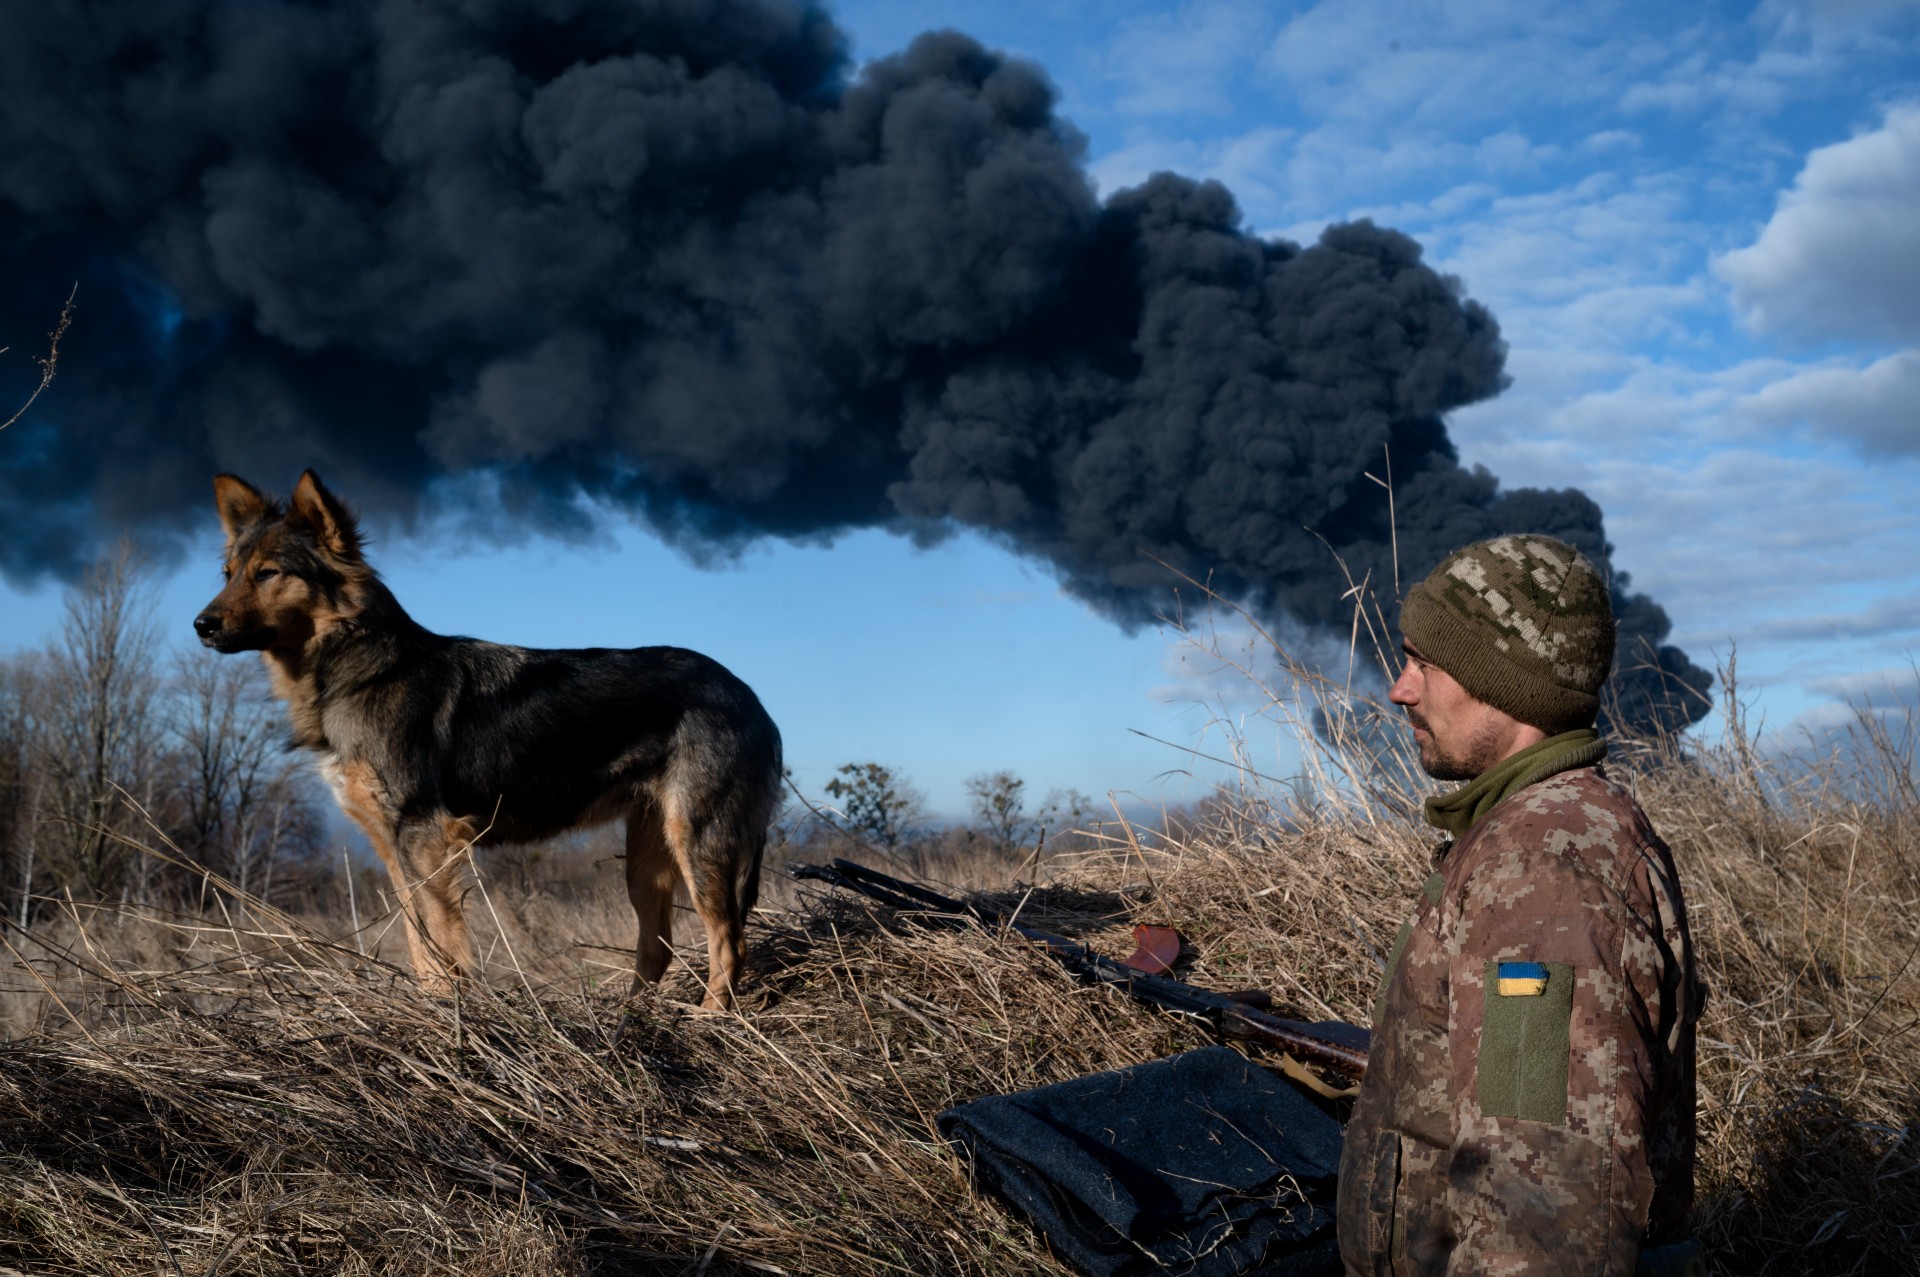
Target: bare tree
{"x":878,"y":803}
{"x":243,"y":805}
{"x":1000,"y":811}
{"x":18,"y":786}
{"x":89,"y":722}
{"x":1064,"y":812}
{"x":95,"y":729}
{"x":999,"y":807}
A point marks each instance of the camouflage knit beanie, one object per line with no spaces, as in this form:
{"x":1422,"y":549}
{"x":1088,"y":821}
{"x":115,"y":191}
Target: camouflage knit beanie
{"x":1521,"y":622}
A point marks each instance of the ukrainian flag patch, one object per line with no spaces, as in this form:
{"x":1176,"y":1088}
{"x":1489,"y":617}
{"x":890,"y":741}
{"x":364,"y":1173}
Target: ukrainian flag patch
{"x":1521,"y":979}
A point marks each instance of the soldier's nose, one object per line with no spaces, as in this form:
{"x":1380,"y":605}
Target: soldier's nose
{"x":206,"y":625}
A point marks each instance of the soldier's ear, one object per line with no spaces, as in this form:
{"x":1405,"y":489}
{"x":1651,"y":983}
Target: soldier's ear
{"x":239,"y":502}
{"x":328,"y":517}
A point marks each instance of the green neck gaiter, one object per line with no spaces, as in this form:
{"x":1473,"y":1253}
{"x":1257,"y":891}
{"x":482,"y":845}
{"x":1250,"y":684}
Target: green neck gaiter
{"x":1462,"y":809}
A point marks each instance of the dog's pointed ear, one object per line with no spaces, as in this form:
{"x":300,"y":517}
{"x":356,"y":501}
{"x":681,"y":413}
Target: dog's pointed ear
{"x":332,"y":522}
{"x":239,"y":502}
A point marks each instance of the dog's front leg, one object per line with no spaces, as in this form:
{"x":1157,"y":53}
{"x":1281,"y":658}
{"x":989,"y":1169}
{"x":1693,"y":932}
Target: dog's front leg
{"x":435,"y":852}
{"x":423,"y":861}
{"x":387,"y":846}
{"x":357,"y":788}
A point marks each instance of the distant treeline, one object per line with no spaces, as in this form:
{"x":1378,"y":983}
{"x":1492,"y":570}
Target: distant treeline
{"x":876,"y":806}
{"x":113,"y":745}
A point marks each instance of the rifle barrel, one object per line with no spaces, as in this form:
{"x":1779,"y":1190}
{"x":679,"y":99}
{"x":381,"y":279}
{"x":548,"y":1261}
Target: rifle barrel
{"x":1223,"y":1013}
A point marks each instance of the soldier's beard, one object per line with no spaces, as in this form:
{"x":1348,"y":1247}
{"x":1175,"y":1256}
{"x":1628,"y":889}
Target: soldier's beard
{"x":1462,"y":759}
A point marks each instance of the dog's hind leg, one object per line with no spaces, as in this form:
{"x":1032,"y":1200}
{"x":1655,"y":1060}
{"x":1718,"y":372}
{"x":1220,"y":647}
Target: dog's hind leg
{"x":651,"y":877}
{"x":707,"y":853}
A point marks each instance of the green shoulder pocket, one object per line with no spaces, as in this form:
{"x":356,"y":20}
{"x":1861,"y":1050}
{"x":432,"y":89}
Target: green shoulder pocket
{"x":1525,"y":1041}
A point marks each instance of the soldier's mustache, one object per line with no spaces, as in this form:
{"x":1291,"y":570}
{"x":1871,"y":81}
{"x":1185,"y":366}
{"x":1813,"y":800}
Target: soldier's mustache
{"x":1415,"y":720}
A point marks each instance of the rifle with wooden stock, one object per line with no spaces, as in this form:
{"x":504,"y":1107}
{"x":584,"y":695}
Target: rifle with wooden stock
{"x":1337,"y":1048}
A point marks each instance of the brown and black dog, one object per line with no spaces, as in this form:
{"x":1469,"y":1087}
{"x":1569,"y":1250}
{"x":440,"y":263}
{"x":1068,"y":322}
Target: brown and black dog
{"x":429,"y":741}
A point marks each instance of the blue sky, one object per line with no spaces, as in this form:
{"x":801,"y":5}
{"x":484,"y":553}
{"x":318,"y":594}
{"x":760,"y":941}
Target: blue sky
{"x":1695,"y":224}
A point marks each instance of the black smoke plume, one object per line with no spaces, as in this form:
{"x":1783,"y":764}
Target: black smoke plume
{"x":676,"y":256}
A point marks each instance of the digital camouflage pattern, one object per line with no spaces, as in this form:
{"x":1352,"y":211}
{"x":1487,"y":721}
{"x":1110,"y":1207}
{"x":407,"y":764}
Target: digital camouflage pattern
{"x":1527,"y":1135}
{"x":1523,"y":623}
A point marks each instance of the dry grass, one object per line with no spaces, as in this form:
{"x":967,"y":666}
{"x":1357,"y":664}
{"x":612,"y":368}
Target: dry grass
{"x":243,"y":1091}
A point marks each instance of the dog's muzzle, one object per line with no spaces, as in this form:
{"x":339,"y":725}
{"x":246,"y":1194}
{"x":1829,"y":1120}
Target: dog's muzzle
{"x":214,"y":633}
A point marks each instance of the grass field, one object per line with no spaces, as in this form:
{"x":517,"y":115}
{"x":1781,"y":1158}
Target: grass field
{"x":239,"y":1090}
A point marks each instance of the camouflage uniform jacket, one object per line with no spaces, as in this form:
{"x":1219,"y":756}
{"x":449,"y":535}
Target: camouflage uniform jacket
{"x":1548,"y":1128}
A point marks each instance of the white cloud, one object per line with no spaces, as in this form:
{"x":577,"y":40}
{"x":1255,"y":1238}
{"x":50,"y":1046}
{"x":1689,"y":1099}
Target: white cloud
{"x":1830,"y":27}
{"x":1185,"y":61}
{"x":1888,"y":617}
{"x":1868,"y":722}
{"x":1601,"y":264}
{"x":1221,"y":667}
{"x":1877,"y":407}
{"x":1741,"y":73}
{"x":1685,"y":90}
{"x":1444,"y":63}
{"x":1243,"y":162}
{"x":1735,"y":540}
{"x":1133,"y":164}
{"x":1611,"y":140}
{"x":1897,"y":688}
{"x":1840,"y":257}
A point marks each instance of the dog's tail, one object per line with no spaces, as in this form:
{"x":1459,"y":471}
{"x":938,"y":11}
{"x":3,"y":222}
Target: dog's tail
{"x":747,"y":880}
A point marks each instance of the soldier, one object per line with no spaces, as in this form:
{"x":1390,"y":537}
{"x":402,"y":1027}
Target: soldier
{"x":1528,"y":1105}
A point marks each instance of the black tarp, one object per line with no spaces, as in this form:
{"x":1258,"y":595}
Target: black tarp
{"x":1202,"y":1164}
